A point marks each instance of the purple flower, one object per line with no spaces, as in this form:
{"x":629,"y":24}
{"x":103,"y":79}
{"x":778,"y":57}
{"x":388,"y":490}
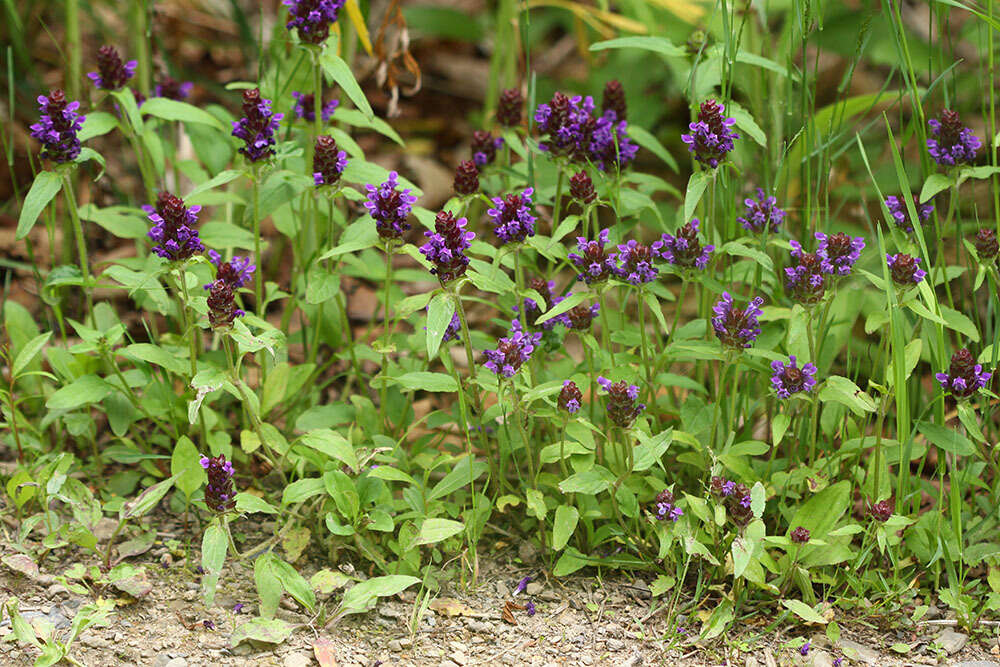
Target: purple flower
{"x":485,"y":147}
{"x":57,"y":127}
{"x":806,"y":281}
{"x":964,"y":377}
{"x":633,"y":263}
{"x":838,"y":661}
{"x":509,"y":107}
{"x":446,"y":246}
{"x":511,"y":217}
{"x":800,"y":535}
{"x":512,"y":351}
{"x":529,"y":608}
{"x":579,"y":318}
{"x":532,"y":311}
{"x":390,"y":207}
{"x":229,"y":277}
{"x":737,"y":328}
{"x":305,"y":108}
{"x":838,"y":252}
{"x":711,"y":138}
{"x":172,"y":89}
{"x":219,"y":493}
{"x":905,"y":270}
{"x":762,"y":214}
{"x":466,"y":178}
{"x":665,"y":508}
{"x":257,"y":127}
{"x":622,"y":407}
{"x":329,"y":161}
{"x":451,"y":331}
{"x":522,"y":585}
{"x":238,"y":608}
{"x":986,"y":245}
{"x":570,"y":128}
{"x":593,"y":263}
{"x":728,"y":488}
{"x":173,"y":229}
{"x":745,"y":501}
{"x":882,"y":510}
{"x":112,"y":73}
{"x":950,"y":142}
{"x":312,"y":18}
{"x":901,"y":217}
{"x":791,"y":379}
{"x":685,"y":250}
{"x":209,"y":624}
{"x":804,"y":649}
{"x":570,"y":397}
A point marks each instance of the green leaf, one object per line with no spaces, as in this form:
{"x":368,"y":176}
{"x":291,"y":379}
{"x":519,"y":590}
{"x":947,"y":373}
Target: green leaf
{"x":358,"y":119}
{"x":427,"y":381}
{"x":779,"y":426}
{"x":720,"y":619}
{"x":804,"y":611}
{"x":460,"y":475}
{"x":820,"y":513}
{"x":646,"y":140}
{"x":742,"y":552}
{"x":439,"y":315}
{"x":122,"y":221}
{"x":333,"y":444}
{"x":563,"y":306}
{"x":950,"y":440}
{"x":744,"y":121}
{"x":959,"y":322}
{"x":695,"y":189}
{"x":43,"y":189}
{"x":302,"y":489}
{"x":535,"y":502}
{"x":433,"y":531}
{"x":660,"y":45}
{"x":29,"y":352}
{"x":934,"y":184}
{"x":978,"y":173}
{"x":82,"y":391}
{"x":361,"y":597}
{"x":96,"y":124}
{"x":844,"y":391}
{"x":564,"y":525}
{"x":126,"y":99}
{"x":220,"y":179}
{"x":185,"y":466}
{"x":154,"y":354}
{"x":338,"y":70}
{"x":359,"y":235}
{"x":757,"y":500}
{"x":266,"y":630}
{"x":168,"y":109}
{"x":250,"y":504}
{"x":214,"y":545}
{"x":268,"y":585}
{"x":590,"y":482}
{"x":146,"y":501}
{"x":294,"y":584}
{"x":571,"y":561}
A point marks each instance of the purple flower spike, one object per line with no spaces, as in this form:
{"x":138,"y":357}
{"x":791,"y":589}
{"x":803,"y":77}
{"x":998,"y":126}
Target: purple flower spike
{"x":806,"y":281}
{"x":633,"y":263}
{"x":446,"y":246}
{"x":485,"y":147}
{"x":112,"y":73}
{"x":737,"y":328}
{"x":839,"y":252}
{"x":531,"y":309}
{"x":329,"y":161}
{"x":685,"y":250}
{"x":229,"y":277}
{"x":172,"y":89}
{"x":800,"y":535}
{"x":804,"y":649}
{"x":529,"y":608}
{"x":570,"y":397}
{"x":522,"y":585}
{"x":257,"y":127}
{"x":569,"y":127}
{"x":512,"y":352}
{"x":305,"y":107}
{"x":390,"y":207}
{"x":173,"y":228}
{"x":312,"y":18}
{"x":664,"y":508}
{"x":791,"y":379}
{"x":594,"y":264}
{"x":901,"y":217}
{"x":511,"y":217}
{"x":951,"y":143}
{"x":711,"y":138}
{"x":57,"y":127}
{"x":622,"y":407}
{"x":905,"y":270}
{"x":964,"y":377}
{"x":762,"y":213}
{"x":219,"y":493}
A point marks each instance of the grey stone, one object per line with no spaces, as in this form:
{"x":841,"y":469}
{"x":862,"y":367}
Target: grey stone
{"x":297,"y":660}
{"x":177,"y":662}
{"x":820,"y":658}
{"x":952,"y":642}
{"x":860,"y":652}
{"x":615,"y":644}
{"x":976,"y":663}
{"x":534,"y":588}
{"x":479,"y":626}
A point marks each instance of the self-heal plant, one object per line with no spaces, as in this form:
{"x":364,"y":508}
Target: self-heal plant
{"x":466,"y":178}
{"x":762,"y":214}
{"x":986,"y":245}
{"x":512,"y":352}
{"x":581,"y":188}
{"x":484,"y":148}
{"x":581,"y":317}
{"x":965,"y":376}
{"x":664,"y":508}
{"x":838,"y":252}
{"x":622,"y":401}
{"x":229,"y":277}
{"x":172,"y":89}
{"x":509,"y":107}
{"x":790,"y":379}
{"x":57,"y":127}
{"x":570,"y":397}
{"x":613,"y":100}
{"x":711,"y":138}
{"x":112,"y":73}
{"x":446,"y":246}
{"x":511,"y":217}
{"x":305,"y":107}
{"x":390,"y":207}
{"x":950,"y":143}
{"x":312,"y":19}
{"x":219,"y":494}
{"x":633,"y":262}
{"x":905,"y":270}
{"x":806,"y":281}
{"x":737,"y":328}
{"x":257,"y":127}
{"x":900,"y":215}
{"x":591,"y":260}
{"x":173,"y":232}
{"x":685,"y":250}
{"x":329,"y":161}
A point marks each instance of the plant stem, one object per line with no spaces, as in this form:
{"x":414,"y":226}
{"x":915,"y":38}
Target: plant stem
{"x":383,"y":385}
{"x":258,"y":275}
{"x":73,"y":47}
{"x":81,"y":243}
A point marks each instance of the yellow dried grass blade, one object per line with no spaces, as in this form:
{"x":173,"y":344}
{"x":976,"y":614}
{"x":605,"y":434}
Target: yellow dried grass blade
{"x":358,"y":19}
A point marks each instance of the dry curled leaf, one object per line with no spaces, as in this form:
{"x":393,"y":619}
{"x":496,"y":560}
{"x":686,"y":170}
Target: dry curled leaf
{"x":391,"y":45}
{"x":453,"y":607}
{"x":509,"y":607}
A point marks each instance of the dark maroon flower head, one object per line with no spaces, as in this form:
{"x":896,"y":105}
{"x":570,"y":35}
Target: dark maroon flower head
{"x":509,"y":107}
{"x":664,"y":508}
{"x":622,"y":406}
{"x":735,"y":497}
{"x":446,"y":246}
{"x":579,"y":318}
{"x":257,"y":127}
{"x":581,"y":188}
{"x":800,"y":535}
{"x":592,"y":261}
{"x":665,"y":496}
{"x":172,"y":89}
{"x":986,"y":245}
{"x":229,"y":277}
{"x":882,"y":510}
{"x":174,"y":228}
{"x":466,"y":178}
{"x":685,"y":249}
{"x":329,"y":161}
{"x":219,"y":493}
{"x":484,"y":147}
{"x":711,"y":138}
{"x":57,"y":127}
{"x":312,"y":18}
{"x":905,"y":270}
{"x":570,"y":397}
{"x":805,"y":282}
{"x":965,"y":376}
{"x":950,"y":143}
{"x":614,"y":99}
{"x":112,"y":73}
